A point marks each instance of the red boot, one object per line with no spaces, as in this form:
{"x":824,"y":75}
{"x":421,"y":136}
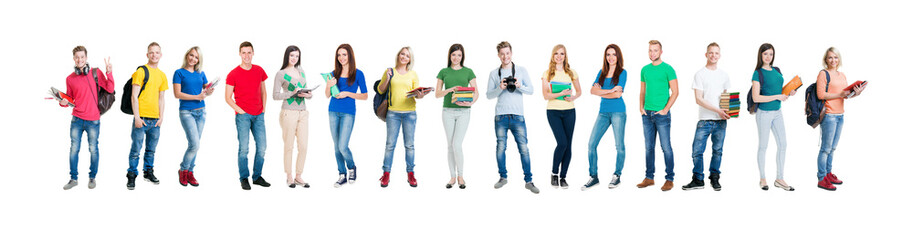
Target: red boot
{"x":833,"y":179}
{"x":826,"y":185}
{"x":411,"y":179}
{"x":385,"y":180}
{"x":190,"y":179}
{"x":183,"y":177}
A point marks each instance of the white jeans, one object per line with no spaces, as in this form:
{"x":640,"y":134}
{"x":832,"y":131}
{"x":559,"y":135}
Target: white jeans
{"x":456,"y":122}
{"x":771,"y":121}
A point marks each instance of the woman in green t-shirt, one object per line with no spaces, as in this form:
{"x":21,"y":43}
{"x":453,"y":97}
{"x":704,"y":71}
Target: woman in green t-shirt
{"x":770,"y":119}
{"x":457,"y":84}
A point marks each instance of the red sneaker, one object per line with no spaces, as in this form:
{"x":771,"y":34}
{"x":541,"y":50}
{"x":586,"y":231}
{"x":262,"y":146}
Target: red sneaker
{"x":833,"y":179}
{"x":826,"y":185}
{"x":183,"y":177}
{"x":412,"y":181}
{"x":190,"y":179}
{"x":385,"y":180}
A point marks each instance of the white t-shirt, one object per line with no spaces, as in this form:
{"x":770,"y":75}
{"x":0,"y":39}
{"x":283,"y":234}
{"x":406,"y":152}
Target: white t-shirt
{"x":712,"y":83}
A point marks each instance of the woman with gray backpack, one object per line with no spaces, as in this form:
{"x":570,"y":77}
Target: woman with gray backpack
{"x":831,"y":89}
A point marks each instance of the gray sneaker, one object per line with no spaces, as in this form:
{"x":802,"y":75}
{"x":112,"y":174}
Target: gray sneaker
{"x":91,"y":183}
{"x":72,"y":183}
{"x":500,"y":183}
{"x":532,"y":188}
{"x":615,"y":181}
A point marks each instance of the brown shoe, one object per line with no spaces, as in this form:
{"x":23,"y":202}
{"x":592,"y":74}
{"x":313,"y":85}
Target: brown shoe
{"x":667,"y":186}
{"x":646,"y":183}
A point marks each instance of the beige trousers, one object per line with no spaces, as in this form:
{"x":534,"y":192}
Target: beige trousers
{"x":294,"y":125}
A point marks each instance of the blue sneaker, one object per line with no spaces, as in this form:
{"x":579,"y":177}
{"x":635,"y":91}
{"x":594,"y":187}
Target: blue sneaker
{"x":591,"y":183}
{"x":341,"y":181}
{"x":352,"y":176}
{"x":615,"y":181}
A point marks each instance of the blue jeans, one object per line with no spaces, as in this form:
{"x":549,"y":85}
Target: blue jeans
{"x":192,"y":121}
{"x":77,"y":126}
{"x":562,"y":124}
{"x":151,"y":134}
{"x":341,"y":125}
{"x":831,"y":127}
{"x":661,"y":124}
{"x":716,"y":131}
{"x":603,"y":121}
{"x":395,"y":120}
{"x":250,"y":124}
{"x":517,"y":125}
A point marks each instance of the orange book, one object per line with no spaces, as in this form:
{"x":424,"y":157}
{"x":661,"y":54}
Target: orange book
{"x":792,"y":85}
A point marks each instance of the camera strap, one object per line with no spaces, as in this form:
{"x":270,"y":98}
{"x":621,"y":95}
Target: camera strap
{"x":513,"y":70}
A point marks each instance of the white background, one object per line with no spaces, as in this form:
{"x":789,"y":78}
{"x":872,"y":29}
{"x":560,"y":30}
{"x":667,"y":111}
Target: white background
{"x":38,"y":38}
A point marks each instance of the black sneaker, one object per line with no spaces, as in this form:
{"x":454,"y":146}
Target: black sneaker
{"x":594,"y":180}
{"x":715,"y":181}
{"x":244,"y":184}
{"x":149,"y":177}
{"x":262,"y":182}
{"x":563,"y":183}
{"x":694,"y":184}
{"x":131,"y":180}
{"x":555,"y":180}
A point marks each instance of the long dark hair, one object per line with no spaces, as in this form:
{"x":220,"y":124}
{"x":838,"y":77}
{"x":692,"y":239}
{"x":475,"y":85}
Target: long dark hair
{"x":619,"y":65}
{"x":761,"y":50}
{"x":453,"y":48}
{"x":288,"y":51}
{"x":337,"y":71}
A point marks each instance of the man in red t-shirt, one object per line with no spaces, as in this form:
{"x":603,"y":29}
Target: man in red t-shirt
{"x":82,"y":87}
{"x":245,"y":92}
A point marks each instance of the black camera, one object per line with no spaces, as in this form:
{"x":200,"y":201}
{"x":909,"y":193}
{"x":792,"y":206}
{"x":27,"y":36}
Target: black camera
{"x":511,"y":83}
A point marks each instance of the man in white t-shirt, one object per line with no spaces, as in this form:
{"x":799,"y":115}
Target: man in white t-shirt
{"x":709,"y":84}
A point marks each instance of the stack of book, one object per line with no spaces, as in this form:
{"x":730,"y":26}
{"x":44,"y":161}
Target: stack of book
{"x":423,"y":90}
{"x":462,"y":94}
{"x":58,"y":95}
{"x":852,"y":87}
{"x":731,"y":102}
{"x":557,"y":87}
{"x":792,"y":85}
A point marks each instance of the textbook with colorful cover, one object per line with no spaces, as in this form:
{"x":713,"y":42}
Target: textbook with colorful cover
{"x":730,"y":101}
{"x":423,"y":90}
{"x":333,"y":90}
{"x":792,"y":85}
{"x":58,"y":95}
{"x":557,"y":87}
{"x":852,"y":87}
{"x":462,"y":94}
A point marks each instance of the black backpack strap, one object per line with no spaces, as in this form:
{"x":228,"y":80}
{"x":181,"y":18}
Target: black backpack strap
{"x":145,"y":78}
{"x":828,"y":75}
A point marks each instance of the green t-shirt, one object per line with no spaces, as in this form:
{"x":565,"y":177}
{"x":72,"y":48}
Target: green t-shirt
{"x":455,"y":78}
{"x":657,"y":80}
{"x":773,"y":85}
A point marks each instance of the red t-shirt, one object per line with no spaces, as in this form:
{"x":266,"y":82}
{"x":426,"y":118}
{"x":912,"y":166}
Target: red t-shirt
{"x":247,"y":88}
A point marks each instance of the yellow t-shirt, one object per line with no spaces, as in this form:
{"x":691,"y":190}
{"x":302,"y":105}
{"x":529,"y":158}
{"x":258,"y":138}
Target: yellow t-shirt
{"x":149,"y":98}
{"x":400,"y":85}
{"x":560,"y":76}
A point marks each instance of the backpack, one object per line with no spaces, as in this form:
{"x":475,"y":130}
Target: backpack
{"x":126,"y":102}
{"x":382,"y":100}
{"x":105,"y":99}
{"x":753,"y":106}
{"x":814,"y":107}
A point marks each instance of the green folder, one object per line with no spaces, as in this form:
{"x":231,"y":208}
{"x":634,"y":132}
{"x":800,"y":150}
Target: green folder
{"x":333,"y":90}
{"x":557,"y":88}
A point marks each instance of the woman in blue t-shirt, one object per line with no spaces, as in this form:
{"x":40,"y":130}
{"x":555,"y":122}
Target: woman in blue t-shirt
{"x":609,"y":86}
{"x":344,"y":85}
{"x":191,"y":87}
{"x":767,"y":88}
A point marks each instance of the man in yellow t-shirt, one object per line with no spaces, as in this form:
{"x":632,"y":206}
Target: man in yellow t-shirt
{"x":148,"y":101}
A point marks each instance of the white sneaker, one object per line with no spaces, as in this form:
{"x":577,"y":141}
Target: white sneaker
{"x":615,"y":181}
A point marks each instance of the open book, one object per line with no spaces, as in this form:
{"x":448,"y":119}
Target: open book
{"x":58,"y":95}
{"x":307,"y":89}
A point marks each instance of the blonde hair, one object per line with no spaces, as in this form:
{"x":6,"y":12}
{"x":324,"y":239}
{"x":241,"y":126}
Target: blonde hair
{"x":713,"y":44}
{"x":504,"y":44}
{"x":411,"y":58}
{"x":656,"y":42}
{"x":552,"y":65}
{"x":199,"y":65}
{"x":835,"y":51}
